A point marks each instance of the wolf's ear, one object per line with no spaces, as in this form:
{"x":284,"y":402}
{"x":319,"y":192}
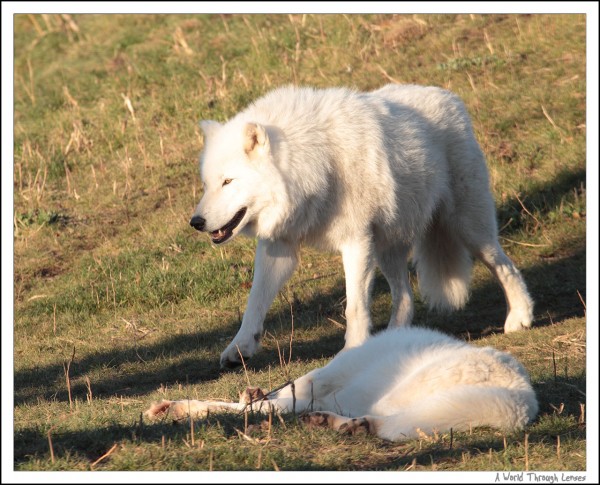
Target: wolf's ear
{"x":256,"y":140}
{"x":209,"y":127}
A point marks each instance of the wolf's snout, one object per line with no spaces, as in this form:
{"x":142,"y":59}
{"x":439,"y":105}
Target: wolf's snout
{"x":198,"y":223}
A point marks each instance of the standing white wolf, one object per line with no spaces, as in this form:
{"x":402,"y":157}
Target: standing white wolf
{"x":373,"y":175}
{"x":398,"y":384}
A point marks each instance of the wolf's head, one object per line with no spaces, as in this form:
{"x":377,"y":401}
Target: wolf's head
{"x":235,"y":168}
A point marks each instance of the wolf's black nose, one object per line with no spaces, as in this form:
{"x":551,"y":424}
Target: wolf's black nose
{"x":197,"y":223}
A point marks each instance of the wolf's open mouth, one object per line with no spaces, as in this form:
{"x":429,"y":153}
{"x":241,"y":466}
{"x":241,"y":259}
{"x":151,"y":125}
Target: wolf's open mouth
{"x":221,"y":235}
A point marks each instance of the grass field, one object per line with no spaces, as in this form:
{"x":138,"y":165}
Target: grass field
{"x":118,"y":302}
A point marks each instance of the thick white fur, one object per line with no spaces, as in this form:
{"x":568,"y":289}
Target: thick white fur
{"x":373,"y":175}
{"x":399,"y":384}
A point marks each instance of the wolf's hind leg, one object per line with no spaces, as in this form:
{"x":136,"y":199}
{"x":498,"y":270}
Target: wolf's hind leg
{"x":520,"y":304}
{"x":476,"y":224}
{"x":392,"y":261}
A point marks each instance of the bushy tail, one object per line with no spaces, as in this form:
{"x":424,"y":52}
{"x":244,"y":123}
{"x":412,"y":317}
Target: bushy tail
{"x":444,"y":268}
{"x":461,"y":409}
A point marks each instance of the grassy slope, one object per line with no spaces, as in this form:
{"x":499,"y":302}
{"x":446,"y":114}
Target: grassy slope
{"x":106,"y":266}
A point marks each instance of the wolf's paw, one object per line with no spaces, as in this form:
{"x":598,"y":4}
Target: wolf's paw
{"x":318,"y":419}
{"x":252,"y":394}
{"x":336,"y":422}
{"x":355,"y":426}
{"x":158,"y":409}
{"x":177,"y":410}
{"x":518,"y":320}
{"x":238,"y":351}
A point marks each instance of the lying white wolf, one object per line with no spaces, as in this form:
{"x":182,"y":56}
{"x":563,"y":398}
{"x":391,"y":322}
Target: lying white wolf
{"x":398,"y":384}
{"x":373,"y":175}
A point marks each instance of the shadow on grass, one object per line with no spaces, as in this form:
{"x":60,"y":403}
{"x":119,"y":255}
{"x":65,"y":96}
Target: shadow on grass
{"x":544,"y":198}
{"x":38,"y":382}
{"x":447,"y":454}
{"x":93,"y":443}
{"x":560,"y":390}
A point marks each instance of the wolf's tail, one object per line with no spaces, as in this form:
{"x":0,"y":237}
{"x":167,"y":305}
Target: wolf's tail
{"x":460,"y":409}
{"x":444,"y":267}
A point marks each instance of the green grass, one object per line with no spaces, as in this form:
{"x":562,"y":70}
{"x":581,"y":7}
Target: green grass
{"x":111,"y":283}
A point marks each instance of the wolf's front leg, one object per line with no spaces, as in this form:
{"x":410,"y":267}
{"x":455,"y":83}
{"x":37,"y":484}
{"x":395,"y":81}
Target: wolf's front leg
{"x":359,"y":268}
{"x":178,"y":410}
{"x":252,"y":399}
{"x":274,"y":264}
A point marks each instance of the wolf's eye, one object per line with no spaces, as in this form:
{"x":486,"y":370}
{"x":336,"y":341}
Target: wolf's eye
{"x":226,"y":182}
